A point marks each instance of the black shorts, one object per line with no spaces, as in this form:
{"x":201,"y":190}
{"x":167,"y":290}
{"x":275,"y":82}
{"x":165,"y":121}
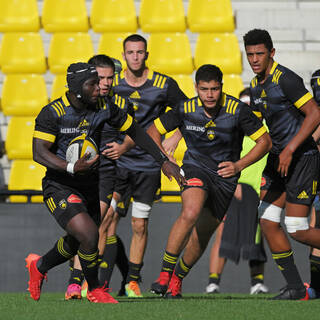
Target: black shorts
{"x":301,"y":182}
{"x":141,"y":186}
{"x":220,"y":190}
{"x":107,"y":181}
{"x":65,"y":202}
{"x":241,"y":233}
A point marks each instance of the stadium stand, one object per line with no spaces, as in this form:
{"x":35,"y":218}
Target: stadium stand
{"x":19,"y":16}
{"x":23,"y":94}
{"x":113,"y":16}
{"x":65,"y":16}
{"x":162,"y":16}
{"x":210,"y":16}
{"x":22,"y":53}
{"x":186,"y":84}
{"x":18,"y":144}
{"x":66,"y":48}
{"x":165,"y":53}
{"x":58,"y":86}
{"x":24,"y":48}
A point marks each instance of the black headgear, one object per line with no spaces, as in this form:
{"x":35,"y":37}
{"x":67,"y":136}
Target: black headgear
{"x":77,"y":74}
{"x":315,"y":84}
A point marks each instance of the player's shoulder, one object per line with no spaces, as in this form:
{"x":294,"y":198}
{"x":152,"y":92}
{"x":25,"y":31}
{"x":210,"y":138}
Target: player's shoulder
{"x":281,"y":73}
{"x":57,"y":107}
{"x":231,"y":104}
{"x":191,"y":105}
{"x":159,"y":80}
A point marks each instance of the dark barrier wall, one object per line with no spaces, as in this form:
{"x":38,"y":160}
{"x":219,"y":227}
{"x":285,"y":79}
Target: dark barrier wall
{"x":30,"y":228}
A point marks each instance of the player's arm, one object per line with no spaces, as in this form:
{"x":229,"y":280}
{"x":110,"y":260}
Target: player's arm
{"x":115,"y":150}
{"x":294,"y":89}
{"x":43,"y":139}
{"x":253,"y":127}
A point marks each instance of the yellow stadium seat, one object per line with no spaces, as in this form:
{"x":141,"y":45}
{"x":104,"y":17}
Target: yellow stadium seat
{"x":19,"y":16}
{"x":162,"y":16}
{"x":23,"y":94}
{"x":232,"y":84}
{"x":186,"y":84}
{"x":26,"y":175}
{"x":65,"y":16}
{"x":113,"y":16}
{"x":22,"y":53}
{"x":170,"y":53}
{"x":210,"y":16}
{"x":111,"y":45}
{"x":220,"y":49}
{"x":67,"y":48}
{"x":18,"y":143}
{"x":58,"y":86}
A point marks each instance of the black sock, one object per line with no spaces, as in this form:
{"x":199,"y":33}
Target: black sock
{"x":89,"y":264}
{"x":122,"y":260}
{"x":315,"y":272}
{"x":214,"y":278}
{"x":256,"y":272}
{"x":108,"y":260}
{"x":60,"y":253}
{"x":169,"y":262}
{"x":182,"y":269}
{"x":288,"y":268}
{"x":76,"y":276}
{"x":134,"y":272}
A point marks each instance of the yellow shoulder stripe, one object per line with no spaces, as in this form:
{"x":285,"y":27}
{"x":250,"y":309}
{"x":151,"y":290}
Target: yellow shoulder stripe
{"x":44,"y":136}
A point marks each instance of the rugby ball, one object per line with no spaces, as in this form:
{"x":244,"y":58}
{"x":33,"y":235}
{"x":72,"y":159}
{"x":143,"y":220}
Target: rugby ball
{"x":79,"y":146}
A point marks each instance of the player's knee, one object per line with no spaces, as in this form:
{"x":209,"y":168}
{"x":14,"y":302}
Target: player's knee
{"x":296,"y":227}
{"x":89,"y":240}
{"x":190,"y":215}
{"x":139,"y":226}
{"x":269,"y":212}
{"x":141,"y":210}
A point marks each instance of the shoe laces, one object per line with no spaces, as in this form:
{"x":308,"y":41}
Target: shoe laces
{"x":74,"y":287}
{"x":101,"y":294}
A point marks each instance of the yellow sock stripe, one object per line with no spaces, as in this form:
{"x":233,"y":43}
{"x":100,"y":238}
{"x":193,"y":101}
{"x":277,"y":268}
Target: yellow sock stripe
{"x":183,"y":266}
{"x":259,"y":276}
{"x":214,"y":275}
{"x":61,"y":249}
{"x":282,"y":255}
{"x":315,"y":261}
{"x":170,"y":259}
{"x":111,"y":240}
{"x":88,"y":257}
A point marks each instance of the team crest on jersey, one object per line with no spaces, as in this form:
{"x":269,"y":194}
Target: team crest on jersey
{"x":210,"y":134}
{"x":83,"y":123}
{"x":73,"y":198}
{"x":63,"y":204}
{"x":135,"y":106}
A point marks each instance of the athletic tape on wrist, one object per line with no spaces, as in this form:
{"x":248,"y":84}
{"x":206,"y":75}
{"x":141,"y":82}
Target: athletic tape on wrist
{"x":70,"y":167}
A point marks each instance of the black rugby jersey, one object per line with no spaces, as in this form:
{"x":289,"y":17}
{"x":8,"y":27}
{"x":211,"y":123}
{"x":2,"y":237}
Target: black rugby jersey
{"x":315,"y":84}
{"x":108,"y":132}
{"x":149,"y":102}
{"x":278,"y":101}
{"x":212,"y":140}
{"x":59,"y":123}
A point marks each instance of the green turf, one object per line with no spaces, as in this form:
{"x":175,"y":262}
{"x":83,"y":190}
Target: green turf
{"x":192,"y":307}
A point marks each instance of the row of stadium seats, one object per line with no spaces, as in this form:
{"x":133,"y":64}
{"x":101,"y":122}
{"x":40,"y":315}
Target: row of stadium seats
{"x":169,"y":52}
{"x":116,"y":16}
{"x":26,"y":94}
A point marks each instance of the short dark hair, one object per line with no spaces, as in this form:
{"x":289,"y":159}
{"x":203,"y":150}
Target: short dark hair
{"x":102,"y":60}
{"x":258,"y":36}
{"x":208,"y":72}
{"x":135,"y":38}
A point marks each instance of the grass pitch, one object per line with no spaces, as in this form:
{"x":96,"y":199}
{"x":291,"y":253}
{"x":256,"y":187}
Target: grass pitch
{"x":18,"y":306}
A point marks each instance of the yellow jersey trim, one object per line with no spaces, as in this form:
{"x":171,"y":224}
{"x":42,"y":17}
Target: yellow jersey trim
{"x":303,"y":100}
{"x":258,"y":133}
{"x":44,"y":136}
{"x":273,"y":67}
{"x":162,"y":130}
{"x":65,"y":100}
{"x":127,"y":124}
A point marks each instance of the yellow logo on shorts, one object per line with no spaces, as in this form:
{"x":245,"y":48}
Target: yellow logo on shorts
{"x":63,"y":204}
{"x":303,"y":195}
